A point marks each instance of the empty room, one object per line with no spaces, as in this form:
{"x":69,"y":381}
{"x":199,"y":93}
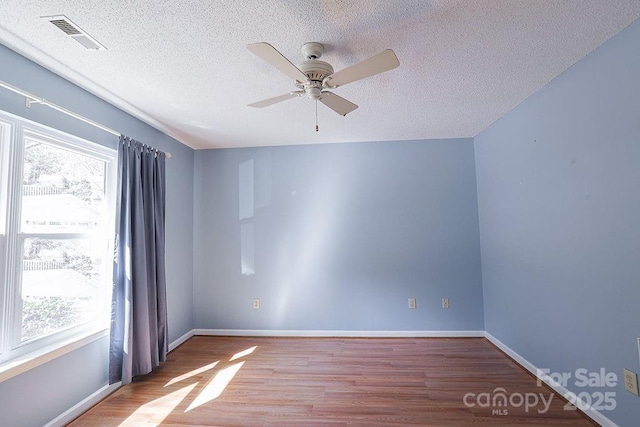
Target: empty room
{"x":319,"y":212}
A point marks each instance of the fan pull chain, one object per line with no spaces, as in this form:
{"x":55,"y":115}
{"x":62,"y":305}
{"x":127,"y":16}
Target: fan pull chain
{"x":316,"y":115}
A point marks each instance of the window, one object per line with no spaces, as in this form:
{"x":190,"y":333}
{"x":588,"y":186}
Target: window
{"x":56,"y":226}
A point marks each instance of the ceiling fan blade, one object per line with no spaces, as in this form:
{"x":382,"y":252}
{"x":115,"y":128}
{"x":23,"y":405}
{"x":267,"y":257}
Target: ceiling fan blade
{"x":276,"y":59}
{"x":276,"y":99}
{"x":384,"y":61}
{"x":337,"y":103}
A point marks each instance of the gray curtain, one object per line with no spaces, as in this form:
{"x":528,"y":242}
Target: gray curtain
{"x":139,"y":305}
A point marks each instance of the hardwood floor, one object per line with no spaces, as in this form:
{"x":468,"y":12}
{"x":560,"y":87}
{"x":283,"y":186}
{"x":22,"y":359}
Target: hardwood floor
{"x":332,"y":381}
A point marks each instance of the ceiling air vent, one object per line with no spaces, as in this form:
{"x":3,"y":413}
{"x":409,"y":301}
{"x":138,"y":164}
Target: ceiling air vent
{"x":73,"y":31}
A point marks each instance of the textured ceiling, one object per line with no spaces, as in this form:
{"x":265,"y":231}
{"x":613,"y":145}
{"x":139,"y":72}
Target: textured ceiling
{"x":183,"y":67}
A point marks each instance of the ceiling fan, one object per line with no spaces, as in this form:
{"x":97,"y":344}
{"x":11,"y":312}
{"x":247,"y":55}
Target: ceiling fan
{"x":313,"y":77}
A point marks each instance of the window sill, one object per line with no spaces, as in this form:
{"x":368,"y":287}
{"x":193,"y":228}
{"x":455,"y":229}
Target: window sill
{"x":43,"y":355}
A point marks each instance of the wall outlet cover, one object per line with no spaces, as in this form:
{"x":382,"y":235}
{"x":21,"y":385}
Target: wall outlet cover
{"x":631,"y":381}
{"x":256,"y":303}
{"x":412,"y":303}
{"x":445,"y":302}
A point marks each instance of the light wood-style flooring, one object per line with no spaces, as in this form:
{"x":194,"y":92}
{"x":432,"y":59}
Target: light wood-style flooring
{"x":247,"y":381}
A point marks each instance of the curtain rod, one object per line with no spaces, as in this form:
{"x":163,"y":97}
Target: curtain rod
{"x":32,"y":99}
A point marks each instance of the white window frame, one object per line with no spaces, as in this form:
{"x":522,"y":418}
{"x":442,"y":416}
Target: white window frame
{"x":17,"y":356}
{"x":5,"y":138}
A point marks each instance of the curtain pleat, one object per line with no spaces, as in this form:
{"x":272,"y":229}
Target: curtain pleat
{"x":139,"y":307}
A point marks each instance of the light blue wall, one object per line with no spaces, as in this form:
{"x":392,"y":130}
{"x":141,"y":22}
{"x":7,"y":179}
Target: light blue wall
{"x":39,"y":395}
{"x":343,"y":235}
{"x":559,"y":211}
{"x":60,"y":384}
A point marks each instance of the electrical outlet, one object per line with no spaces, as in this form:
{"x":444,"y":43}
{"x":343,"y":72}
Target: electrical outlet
{"x":412,"y":303}
{"x":256,"y":303}
{"x":631,"y":381}
{"x":445,"y":302}
{"x":638,"y":348}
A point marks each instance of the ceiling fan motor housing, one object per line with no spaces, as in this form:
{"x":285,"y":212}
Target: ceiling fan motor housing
{"x":316,"y":71}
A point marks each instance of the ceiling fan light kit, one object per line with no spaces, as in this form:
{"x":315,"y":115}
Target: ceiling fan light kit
{"x":313,"y":77}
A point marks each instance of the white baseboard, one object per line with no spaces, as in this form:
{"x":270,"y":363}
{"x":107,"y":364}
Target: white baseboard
{"x":336,"y":333}
{"x":78,"y":409}
{"x":558,"y":388}
{"x":182,"y":339}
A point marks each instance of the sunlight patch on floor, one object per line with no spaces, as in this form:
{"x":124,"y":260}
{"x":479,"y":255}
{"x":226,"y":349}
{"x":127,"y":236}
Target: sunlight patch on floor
{"x":192,"y":373}
{"x":216,"y":386}
{"x":154,"y":412}
{"x":243,"y":353}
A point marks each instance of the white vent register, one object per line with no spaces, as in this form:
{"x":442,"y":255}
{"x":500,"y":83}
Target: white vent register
{"x":74,"y":31}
